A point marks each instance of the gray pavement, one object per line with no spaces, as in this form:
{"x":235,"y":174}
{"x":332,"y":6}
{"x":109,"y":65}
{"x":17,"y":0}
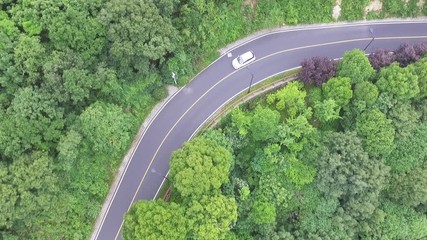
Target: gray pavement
{"x":180,"y":117}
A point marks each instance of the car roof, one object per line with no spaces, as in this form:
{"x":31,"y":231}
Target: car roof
{"x":247,"y":55}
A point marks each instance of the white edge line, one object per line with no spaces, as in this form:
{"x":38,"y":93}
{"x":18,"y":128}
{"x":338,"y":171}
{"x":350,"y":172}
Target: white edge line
{"x":320,"y":26}
{"x":103,"y":215}
{"x":158,"y":190}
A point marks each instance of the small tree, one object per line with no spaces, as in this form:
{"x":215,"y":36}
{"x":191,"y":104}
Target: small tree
{"x":355,"y":65}
{"x":421,"y":49}
{"x":381,"y":58}
{"x":406,"y":54}
{"x":317,"y":70}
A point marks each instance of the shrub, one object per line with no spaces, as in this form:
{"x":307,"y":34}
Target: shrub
{"x":381,"y":58}
{"x":421,"y":48}
{"x":317,"y":70}
{"x":406,"y":54}
{"x":160,"y":93}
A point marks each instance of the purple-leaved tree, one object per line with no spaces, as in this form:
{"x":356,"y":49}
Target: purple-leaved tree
{"x":317,"y":70}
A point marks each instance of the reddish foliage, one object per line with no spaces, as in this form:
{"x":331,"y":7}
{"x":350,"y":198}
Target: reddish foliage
{"x":317,"y":70}
{"x":406,"y":55}
{"x":421,"y":49}
{"x":381,"y":58}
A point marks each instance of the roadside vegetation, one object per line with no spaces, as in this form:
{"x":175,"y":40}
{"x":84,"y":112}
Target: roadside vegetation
{"x":340,"y":154}
{"x":78,"y":77}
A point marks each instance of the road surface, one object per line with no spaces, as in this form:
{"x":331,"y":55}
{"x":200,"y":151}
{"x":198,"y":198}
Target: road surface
{"x":188,"y":109}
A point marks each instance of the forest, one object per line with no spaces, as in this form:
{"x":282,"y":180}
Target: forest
{"x":339,"y":154}
{"x":78,"y":77}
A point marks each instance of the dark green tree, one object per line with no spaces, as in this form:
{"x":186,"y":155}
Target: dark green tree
{"x":137,"y":34}
{"x":105,"y":127}
{"x":346,"y":172}
{"x":28,"y":189}
{"x":409,"y":188}
{"x":264,"y":123}
{"x":376,"y":131}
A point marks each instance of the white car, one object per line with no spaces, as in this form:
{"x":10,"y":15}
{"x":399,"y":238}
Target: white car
{"x":243,"y":60}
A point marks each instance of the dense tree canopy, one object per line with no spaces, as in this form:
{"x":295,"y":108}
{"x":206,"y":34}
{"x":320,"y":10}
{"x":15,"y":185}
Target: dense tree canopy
{"x":155,"y":220}
{"x":137,"y":33}
{"x":200,"y":167}
{"x":377,"y":132}
{"x":399,"y":82}
{"x":356,"y":66}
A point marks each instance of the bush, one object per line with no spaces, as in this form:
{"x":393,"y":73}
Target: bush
{"x":421,"y":48}
{"x":406,"y":54}
{"x":160,"y":93}
{"x":381,"y":58}
{"x":317,"y":70}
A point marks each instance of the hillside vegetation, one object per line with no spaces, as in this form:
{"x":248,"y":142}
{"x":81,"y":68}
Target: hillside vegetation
{"x":77,"y":78}
{"x":338,"y":155}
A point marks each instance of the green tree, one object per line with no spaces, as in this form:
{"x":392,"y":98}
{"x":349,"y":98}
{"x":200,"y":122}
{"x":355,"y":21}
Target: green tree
{"x":77,"y":28}
{"x":263,"y":212}
{"x":105,"y":127}
{"x":264,"y":123}
{"x":356,"y":66}
{"x":290,"y":100}
{"x":400,"y":222}
{"x":338,"y":89}
{"x":155,"y":220}
{"x":28,"y":189}
{"x":346,"y":172}
{"x":29,"y":56}
{"x":326,"y":111}
{"x":420,"y":69}
{"x":376,"y":131}
{"x":367,"y":92}
{"x":409,"y":188}
{"x":211,"y":217}
{"x":294,"y":134}
{"x":33,"y":121}
{"x":410,"y":152}
{"x":240,"y":121}
{"x":398,"y":82}
{"x":298,"y":172}
{"x":200,"y":167}
{"x":405,"y":119}
{"x":137,"y":34}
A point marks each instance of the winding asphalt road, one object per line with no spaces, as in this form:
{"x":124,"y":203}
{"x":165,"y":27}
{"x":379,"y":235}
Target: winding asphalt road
{"x":182,"y":116}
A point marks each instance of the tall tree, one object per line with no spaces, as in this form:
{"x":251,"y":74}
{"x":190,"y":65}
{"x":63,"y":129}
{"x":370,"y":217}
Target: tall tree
{"x":264,"y":123}
{"x":28,"y":189}
{"x":211,"y":217}
{"x":200,"y":167}
{"x":155,"y":220}
{"x":338,"y":89}
{"x":346,"y":172}
{"x":137,"y":34}
{"x":356,"y":66}
{"x":105,"y":127}
{"x":376,"y":131}
{"x":290,"y":100}
{"x":398,"y":82}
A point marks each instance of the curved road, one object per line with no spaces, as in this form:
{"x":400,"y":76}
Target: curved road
{"x":188,"y":109}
